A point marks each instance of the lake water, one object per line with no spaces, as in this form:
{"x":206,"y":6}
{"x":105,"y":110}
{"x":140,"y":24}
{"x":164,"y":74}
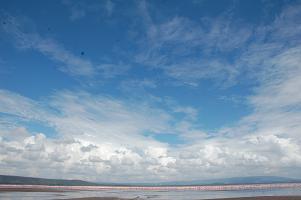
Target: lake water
{"x":150,"y":195}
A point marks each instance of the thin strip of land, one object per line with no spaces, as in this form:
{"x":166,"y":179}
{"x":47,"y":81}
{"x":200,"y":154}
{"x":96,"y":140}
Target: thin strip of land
{"x":239,"y":198}
{"x":31,"y":190}
{"x":265,"y":198}
{"x":101,"y":198}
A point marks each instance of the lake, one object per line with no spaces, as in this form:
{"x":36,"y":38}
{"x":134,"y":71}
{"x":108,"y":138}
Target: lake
{"x":151,"y":195}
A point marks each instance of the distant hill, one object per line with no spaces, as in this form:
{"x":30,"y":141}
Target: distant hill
{"x":20,"y":180}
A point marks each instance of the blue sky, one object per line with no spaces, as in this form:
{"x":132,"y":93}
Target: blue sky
{"x":163,"y":90}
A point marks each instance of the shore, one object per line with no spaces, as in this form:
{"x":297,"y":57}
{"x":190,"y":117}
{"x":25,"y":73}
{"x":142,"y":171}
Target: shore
{"x":240,"y":198}
{"x":43,"y":188}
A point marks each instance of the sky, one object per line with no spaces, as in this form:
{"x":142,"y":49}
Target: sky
{"x":150,"y":91}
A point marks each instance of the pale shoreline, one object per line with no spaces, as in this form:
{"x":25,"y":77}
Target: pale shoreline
{"x":45,"y":188}
{"x":236,"y":198}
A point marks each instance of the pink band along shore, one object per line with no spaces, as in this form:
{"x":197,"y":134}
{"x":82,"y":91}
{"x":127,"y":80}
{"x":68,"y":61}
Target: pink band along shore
{"x":153,"y":188}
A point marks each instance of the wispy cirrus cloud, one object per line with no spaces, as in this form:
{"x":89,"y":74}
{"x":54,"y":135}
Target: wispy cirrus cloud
{"x":80,"y":9}
{"x":67,"y":61}
{"x":191,"y":51}
{"x":219,"y":48}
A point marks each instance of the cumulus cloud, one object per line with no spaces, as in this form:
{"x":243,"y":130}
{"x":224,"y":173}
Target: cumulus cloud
{"x":104,"y":136}
{"x":95,"y":132}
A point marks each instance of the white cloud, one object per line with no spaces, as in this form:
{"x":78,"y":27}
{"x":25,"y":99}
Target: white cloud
{"x":102,"y":135}
{"x":96,"y":131}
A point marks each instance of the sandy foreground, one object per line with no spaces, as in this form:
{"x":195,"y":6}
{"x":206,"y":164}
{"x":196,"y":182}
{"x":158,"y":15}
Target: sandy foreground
{"x":241,"y":198}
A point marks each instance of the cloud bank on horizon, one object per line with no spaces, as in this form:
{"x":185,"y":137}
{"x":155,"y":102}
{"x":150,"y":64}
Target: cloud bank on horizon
{"x":143,"y":91}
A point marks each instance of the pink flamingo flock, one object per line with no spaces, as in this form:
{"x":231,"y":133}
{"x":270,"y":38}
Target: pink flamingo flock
{"x":197,"y":187}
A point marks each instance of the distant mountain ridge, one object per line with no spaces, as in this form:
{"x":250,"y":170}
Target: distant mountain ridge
{"x":20,"y":180}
